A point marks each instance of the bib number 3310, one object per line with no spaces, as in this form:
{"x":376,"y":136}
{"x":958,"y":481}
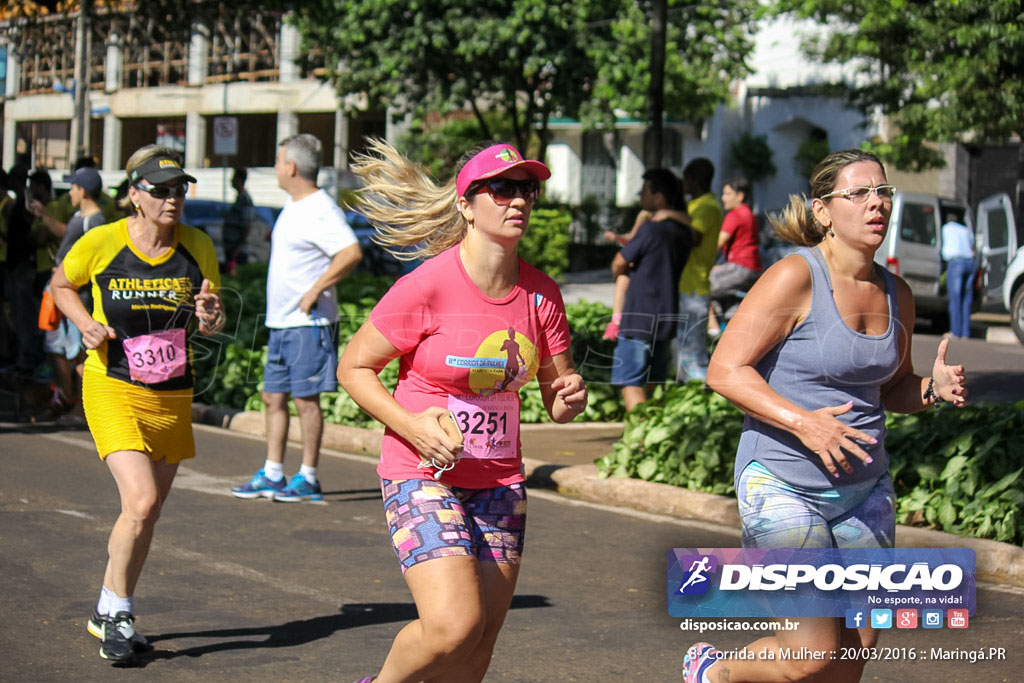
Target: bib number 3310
{"x":489,"y":424}
{"x":156,"y":357}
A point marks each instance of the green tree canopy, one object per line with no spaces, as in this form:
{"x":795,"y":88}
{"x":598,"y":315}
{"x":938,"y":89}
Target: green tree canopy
{"x":521,"y":58}
{"x":943,"y":70}
{"x":527,"y":60}
{"x":706,"y":48}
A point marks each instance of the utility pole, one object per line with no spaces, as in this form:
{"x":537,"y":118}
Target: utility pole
{"x":80,"y":119}
{"x":653,"y":139}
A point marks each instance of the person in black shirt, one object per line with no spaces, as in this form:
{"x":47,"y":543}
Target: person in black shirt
{"x":654,"y":260}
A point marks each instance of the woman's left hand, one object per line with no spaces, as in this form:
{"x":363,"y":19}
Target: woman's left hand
{"x":572,"y":390}
{"x":950,"y":382}
{"x":208,"y":310}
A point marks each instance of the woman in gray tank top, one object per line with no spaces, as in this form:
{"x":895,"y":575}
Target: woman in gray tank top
{"x":817,"y":352}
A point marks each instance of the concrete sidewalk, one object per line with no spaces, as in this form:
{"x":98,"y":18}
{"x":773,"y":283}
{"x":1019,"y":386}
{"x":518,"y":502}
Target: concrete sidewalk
{"x":561,"y":457}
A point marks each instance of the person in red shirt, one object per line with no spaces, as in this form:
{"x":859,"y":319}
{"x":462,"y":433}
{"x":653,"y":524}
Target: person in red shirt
{"x":739,"y":242}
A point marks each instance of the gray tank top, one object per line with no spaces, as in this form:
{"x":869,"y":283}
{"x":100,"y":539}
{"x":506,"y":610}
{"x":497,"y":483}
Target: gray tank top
{"x":823,"y":362}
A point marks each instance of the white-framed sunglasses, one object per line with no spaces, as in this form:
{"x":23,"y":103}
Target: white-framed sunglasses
{"x":860,"y":193}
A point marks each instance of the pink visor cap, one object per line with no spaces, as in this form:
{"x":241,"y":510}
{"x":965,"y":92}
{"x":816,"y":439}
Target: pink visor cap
{"x":495,"y":160}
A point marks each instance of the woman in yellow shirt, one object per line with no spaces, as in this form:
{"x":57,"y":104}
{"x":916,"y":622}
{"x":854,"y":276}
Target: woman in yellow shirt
{"x":154,"y":282}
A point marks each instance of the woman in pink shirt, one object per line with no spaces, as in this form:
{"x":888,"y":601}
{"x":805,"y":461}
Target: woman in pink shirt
{"x":457,"y":514}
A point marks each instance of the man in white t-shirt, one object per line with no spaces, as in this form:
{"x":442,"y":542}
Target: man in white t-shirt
{"x":312,"y":248}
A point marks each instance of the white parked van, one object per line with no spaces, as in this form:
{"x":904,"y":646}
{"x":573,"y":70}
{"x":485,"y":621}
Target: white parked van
{"x":1013,"y":293}
{"x":913,"y":247}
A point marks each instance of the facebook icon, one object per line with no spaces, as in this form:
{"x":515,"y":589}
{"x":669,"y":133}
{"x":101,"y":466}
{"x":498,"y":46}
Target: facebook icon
{"x":855,"y":618}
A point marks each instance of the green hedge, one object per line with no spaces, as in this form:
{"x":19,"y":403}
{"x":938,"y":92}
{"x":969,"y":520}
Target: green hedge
{"x":957,"y":470}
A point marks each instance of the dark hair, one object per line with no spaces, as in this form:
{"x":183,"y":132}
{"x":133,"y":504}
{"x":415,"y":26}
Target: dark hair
{"x":740,"y":185}
{"x":700,"y":171}
{"x":665,"y":183}
{"x":84,"y":162}
{"x":39,"y":181}
{"x":240,"y":174}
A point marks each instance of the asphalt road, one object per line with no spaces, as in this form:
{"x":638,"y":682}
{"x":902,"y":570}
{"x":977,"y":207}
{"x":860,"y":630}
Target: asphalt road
{"x":251,"y":590}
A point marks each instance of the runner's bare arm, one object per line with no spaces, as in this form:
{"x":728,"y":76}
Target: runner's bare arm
{"x":563,"y":389}
{"x":364,"y":357}
{"x":65,"y":295}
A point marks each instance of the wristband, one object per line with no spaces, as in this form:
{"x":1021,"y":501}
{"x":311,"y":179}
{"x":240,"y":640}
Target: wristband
{"x":930,"y":393}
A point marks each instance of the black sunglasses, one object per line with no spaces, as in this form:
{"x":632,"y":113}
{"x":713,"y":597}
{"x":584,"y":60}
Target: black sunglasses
{"x":505,"y":189}
{"x":164,"y":191}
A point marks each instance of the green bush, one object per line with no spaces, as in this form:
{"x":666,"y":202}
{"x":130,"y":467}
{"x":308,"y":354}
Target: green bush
{"x":684,"y":436}
{"x":546,"y":243}
{"x":959,"y":470}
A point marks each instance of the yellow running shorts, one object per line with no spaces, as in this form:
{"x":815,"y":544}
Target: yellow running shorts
{"x":125,"y":417}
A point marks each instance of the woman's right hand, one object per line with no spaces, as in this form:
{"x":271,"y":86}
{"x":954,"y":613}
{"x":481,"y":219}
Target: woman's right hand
{"x":828,"y":438}
{"x":95,"y":333}
{"x":429,"y":439}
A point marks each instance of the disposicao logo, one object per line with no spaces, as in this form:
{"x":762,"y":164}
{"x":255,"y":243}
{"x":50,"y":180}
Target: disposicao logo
{"x":803,"y":582}
{"x":697,"y":579}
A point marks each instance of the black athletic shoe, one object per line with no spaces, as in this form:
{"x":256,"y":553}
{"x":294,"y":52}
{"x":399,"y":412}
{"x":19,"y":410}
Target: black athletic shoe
{"x":116,"y":633}
{"x":95,"y":627}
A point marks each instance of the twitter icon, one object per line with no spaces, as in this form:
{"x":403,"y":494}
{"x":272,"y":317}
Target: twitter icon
{"x":881,"y":618}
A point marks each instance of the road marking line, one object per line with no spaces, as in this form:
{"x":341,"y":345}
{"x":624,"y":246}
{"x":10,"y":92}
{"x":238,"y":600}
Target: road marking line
{"x":76,"y":513}
{"x":247,"y":573}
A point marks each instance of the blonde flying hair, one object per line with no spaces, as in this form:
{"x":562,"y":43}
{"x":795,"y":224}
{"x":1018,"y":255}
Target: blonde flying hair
{"x":406,"y":207}
{"x":797,"y":224}
{"x":138,"y":158}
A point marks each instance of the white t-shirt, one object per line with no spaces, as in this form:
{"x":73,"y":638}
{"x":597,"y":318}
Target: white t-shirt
{"x":307,"y":235}
{"x":957,"y":241}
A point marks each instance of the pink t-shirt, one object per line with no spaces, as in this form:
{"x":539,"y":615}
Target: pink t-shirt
{"x":743,"y":249}
{"x":469,"y":353}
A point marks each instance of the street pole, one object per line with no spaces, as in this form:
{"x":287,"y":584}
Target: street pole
{"x":80,"y":119}
{"x":654,"y":137}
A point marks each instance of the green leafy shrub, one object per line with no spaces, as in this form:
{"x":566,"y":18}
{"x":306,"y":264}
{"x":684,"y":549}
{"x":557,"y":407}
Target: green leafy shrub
{"x":959,"y":470}
{"x":683,"y":436}
{"x":545,"y":245}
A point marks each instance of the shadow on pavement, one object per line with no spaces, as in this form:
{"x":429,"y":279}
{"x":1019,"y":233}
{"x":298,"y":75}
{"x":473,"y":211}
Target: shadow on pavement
{"x":303,"y":631}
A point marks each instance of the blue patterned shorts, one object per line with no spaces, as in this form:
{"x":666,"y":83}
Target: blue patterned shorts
{"x":775,"y":514}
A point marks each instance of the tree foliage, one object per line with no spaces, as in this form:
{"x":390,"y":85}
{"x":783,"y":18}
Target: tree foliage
{"x":706,"y":48}
{"x":527,"y":60}
{"x":521,"y":58}
{"x":943,"y":70}
{"x":753,"y":156}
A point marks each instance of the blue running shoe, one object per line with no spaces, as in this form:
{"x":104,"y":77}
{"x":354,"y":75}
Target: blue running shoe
{"x":258,"y":487}
{"x":298,"y":490}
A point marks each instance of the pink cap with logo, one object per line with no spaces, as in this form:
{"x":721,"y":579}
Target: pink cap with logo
{"x":495,"y":160}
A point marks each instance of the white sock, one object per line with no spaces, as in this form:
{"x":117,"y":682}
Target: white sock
{"x":111,"y":603}
{"x":309,"y":473}
{"x":274,"y":471}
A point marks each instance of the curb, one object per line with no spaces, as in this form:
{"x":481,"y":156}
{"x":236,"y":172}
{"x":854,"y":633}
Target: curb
{"x":996,"y":562}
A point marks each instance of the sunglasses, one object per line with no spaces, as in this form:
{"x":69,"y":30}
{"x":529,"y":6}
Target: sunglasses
{"x":164,"y":191}
{"x":505,"y":190}
{"x":860,"y":194}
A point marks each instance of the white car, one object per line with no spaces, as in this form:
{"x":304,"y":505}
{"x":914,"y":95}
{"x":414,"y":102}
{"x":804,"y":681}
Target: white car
{"x":1013,"y":293}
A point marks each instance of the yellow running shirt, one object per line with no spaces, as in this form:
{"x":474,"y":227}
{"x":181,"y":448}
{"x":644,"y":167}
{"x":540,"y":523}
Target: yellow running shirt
{"x":135,"y":294}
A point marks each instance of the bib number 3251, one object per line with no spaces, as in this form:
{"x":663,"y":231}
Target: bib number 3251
{"x":489,"y":424}
{"x":156,"y":357}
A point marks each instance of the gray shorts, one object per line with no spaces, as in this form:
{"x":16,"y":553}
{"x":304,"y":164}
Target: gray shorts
{"x":730,"y":278}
